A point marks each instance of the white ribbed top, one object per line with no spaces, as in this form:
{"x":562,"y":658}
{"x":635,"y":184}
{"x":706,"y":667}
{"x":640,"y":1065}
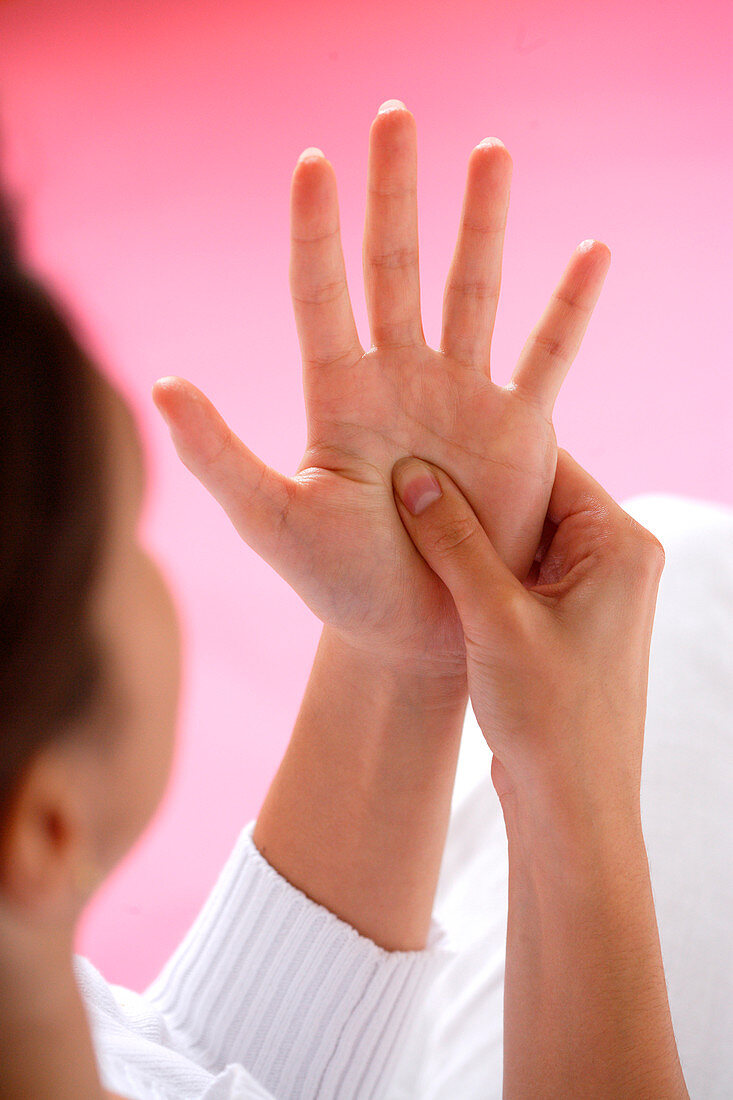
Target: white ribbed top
{"x":269,"y":995}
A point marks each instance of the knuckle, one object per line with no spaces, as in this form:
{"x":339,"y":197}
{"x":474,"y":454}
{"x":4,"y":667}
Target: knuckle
{"x":453,"y":533}
{"x":640,"y":553}
{"x":321,"y":293}
{"x":210,"y":458}
{"x":653,"y":551}
{"x":514,"y":611}
{"x":395,"y":259}
{"x":573,"y":304}
{"x":346,"y":355}
{"x":315,"y":238}
{"x":506,"y":612}
{"x":285,"y":495}
{"x":639,"y":544}
{"x":479,"y":291}
{"x":553,"y":347}
{"x":648,"y":546}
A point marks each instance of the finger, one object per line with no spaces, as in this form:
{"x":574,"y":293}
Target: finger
{"x":579,"y":505}
{"x":256,"y":498}
{"x":474,"y":279}
{"x":554,"y":342}
{"x":450,"y":538}
{"x":390,"y":254}
{"x":575,"y":491}
{"x":323,"y":315}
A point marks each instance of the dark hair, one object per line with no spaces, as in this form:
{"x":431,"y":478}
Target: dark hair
{"x":53,"y":512}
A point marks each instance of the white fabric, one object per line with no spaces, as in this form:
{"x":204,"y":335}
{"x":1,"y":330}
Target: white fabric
{"x":261,"y":951}
{"x":268,"y":995}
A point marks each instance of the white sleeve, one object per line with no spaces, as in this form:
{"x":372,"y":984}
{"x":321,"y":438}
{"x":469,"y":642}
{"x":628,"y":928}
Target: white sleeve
{"x":268,"y":980}
{"x":139,"y":1057}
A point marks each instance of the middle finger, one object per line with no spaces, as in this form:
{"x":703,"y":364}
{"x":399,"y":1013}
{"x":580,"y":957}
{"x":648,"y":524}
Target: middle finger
{"x":390,"y":254}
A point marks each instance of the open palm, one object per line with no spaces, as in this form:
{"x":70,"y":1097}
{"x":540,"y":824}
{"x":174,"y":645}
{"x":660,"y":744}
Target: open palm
{"x":332,"y":530}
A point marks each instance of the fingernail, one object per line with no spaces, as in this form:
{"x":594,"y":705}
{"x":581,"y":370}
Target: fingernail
{"x":311,"y":153}
{"x":390,"y":105}
{"x":491,"y":141}
{"x":416,"y":487}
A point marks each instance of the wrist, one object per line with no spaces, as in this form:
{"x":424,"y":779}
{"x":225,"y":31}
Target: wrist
{"x":553,"y":831}
{"x":413,"y":685}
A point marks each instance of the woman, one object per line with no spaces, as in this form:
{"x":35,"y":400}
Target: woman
{"x":306,"y":966}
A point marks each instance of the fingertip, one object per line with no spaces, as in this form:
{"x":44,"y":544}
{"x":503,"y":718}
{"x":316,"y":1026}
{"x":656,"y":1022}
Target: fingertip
{"x":499,"y":151}
{"x":598,"y":248}
{"x":391,"y":105}
{"x":391,"y":119}
{"x":163,"y":386}
{"x":311,"y":153}
{"x":170,"y":395}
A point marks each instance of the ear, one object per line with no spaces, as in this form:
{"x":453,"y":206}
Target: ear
{"x":46,"y":838}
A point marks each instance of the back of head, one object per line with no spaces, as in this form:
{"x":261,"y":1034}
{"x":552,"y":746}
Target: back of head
{"x":52,"y":517}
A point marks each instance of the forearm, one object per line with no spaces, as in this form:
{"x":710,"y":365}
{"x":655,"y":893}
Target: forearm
{"x":357,"y":814}
{"x":585,"y":1000}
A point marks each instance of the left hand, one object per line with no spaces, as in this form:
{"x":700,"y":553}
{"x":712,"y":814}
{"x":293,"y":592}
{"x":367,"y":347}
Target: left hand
{"x":332,"y":531}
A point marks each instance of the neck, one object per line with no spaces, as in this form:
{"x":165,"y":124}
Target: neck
{"x":46,"y":1046}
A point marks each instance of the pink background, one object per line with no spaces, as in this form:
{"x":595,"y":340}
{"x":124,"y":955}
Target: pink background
{"x":154,"y":145}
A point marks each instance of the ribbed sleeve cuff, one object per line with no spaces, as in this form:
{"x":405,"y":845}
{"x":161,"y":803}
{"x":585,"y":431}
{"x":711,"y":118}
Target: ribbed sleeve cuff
{"x":269,"y":978}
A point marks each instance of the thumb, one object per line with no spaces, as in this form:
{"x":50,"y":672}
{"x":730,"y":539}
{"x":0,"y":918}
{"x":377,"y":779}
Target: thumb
{"x":255,"y":497}
{"x":446,"y":531}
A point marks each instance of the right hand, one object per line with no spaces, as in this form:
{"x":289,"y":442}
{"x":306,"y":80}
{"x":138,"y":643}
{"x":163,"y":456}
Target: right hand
{"x":558,"y":665}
